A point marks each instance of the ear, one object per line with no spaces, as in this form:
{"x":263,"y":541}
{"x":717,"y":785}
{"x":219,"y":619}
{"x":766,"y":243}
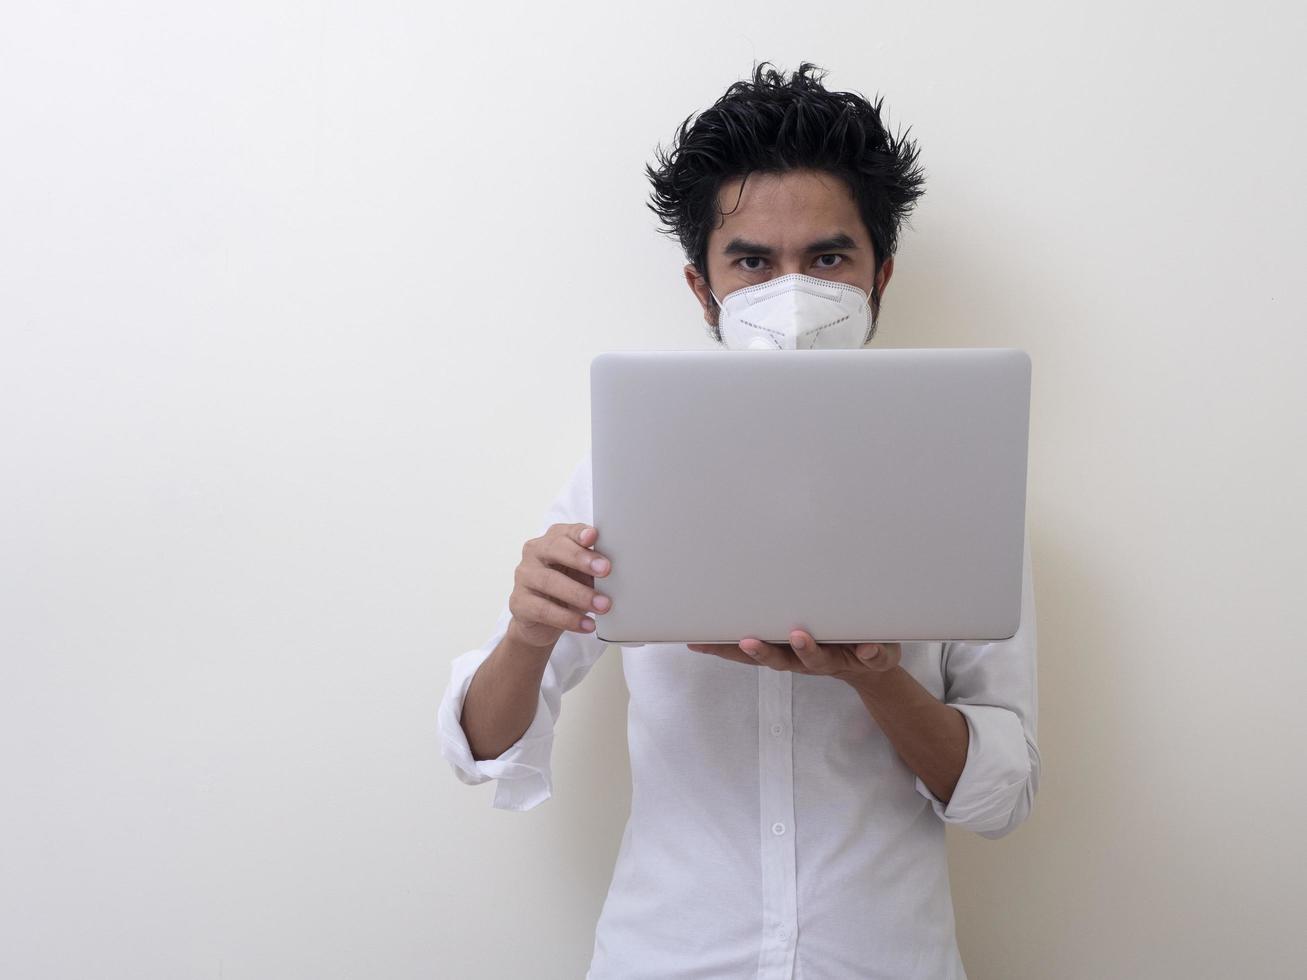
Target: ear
{"x":699,"y":286}
{"x":882,"y":277}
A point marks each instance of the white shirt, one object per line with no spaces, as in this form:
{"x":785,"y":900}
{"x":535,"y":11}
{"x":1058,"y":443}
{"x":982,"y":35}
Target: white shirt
{"x":774,"y":832}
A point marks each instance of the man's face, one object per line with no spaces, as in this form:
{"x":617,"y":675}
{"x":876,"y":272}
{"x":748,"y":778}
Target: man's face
{"x":800,"y":221}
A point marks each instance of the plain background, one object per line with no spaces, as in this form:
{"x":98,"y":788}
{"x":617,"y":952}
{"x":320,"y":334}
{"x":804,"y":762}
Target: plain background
{"x":298,"y":302}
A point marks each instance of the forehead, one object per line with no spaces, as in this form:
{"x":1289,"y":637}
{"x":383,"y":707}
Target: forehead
{"x":786,"y":210}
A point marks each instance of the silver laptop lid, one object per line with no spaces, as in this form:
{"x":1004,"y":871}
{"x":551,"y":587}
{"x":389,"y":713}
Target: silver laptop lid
{"x":862,"y":495}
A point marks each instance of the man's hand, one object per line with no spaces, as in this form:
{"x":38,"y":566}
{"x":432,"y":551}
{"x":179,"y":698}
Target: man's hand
{"x":847,"y":661}
{"x":553,"y":585}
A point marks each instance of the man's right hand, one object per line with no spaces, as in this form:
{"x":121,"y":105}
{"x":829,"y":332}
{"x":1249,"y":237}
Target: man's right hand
{"x":553,"y":585}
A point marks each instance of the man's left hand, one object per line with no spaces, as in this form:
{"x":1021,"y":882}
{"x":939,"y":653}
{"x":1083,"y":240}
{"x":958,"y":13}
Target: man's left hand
{"x":804,"y":655}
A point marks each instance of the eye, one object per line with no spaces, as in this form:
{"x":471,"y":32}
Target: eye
{"x":749,"y":258}
{"x":832,"y":255}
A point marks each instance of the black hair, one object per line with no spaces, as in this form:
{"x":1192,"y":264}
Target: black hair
{"x":774,"y":124}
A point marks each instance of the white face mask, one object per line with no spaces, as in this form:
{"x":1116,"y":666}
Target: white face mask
{"x":795,"y":312}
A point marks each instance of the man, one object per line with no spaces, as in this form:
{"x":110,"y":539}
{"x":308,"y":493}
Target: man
{"x":788,"y":803}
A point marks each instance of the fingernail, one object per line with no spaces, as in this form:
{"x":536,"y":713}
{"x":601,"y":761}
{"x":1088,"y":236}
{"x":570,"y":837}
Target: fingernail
{"x":799,"y":642}
{"x":599,"y":564}
{"x":748,"y":651}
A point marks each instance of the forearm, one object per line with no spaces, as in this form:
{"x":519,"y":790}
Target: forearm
{"x":503,"y":696}
{"x":930,"y":736}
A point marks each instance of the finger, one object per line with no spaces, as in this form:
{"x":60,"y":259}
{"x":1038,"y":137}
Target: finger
{"x":587,"y":536}
{"x":893,"y":655}
{"x":579,"y":532}
{"x":582,"y":534}
{"x":727,"y":651}
{"x":720,"y":649}
{"x":874,"y":655}
{"x":867,"y":653}
{"x":770,"y":655}
{"x":532,"y":608}
{"x":815,"y":657}
{"x":564,"y":549}
{"x":587,"y":580}
{"x":561,"y":588}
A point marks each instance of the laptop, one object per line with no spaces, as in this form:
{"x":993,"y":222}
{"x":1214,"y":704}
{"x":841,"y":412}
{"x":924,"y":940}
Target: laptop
{"x":868,"y":495}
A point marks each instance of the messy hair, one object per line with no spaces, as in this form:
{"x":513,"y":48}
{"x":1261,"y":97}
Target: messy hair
{"x":773,"y":124}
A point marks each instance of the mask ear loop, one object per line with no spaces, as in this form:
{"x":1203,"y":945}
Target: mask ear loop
{"x":715,"y":332}
{"x":873,"y":304}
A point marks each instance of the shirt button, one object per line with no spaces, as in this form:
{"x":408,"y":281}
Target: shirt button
{"x":778,"y":828}
{"x":776,"y":729}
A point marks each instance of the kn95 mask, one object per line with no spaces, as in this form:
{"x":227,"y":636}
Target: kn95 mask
{"x":795,"y":312}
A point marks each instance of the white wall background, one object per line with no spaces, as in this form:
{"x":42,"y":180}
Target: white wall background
{"x":298,"y":301}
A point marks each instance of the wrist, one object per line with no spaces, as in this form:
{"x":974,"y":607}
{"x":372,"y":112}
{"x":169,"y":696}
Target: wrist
{"x":520,"y":647}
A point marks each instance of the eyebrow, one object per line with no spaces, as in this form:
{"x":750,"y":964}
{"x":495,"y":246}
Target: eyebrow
{"x":739,"y":246}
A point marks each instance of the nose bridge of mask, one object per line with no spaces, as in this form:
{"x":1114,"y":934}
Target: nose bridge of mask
{"x":794,"y":306}
{"x":794,"y":283}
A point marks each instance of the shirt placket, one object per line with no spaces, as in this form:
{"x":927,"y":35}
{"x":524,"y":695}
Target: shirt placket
{"x":776,"y":814}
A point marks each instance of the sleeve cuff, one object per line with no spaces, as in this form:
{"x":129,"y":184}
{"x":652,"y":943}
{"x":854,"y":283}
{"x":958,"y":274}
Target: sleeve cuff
{"x":523,"y":770}
{"x":996,"y":776}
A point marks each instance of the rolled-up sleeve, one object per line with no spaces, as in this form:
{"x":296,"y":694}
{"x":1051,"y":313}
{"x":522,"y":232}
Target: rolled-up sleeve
{"x":525,"y":779}
{"x":994,"y":686}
